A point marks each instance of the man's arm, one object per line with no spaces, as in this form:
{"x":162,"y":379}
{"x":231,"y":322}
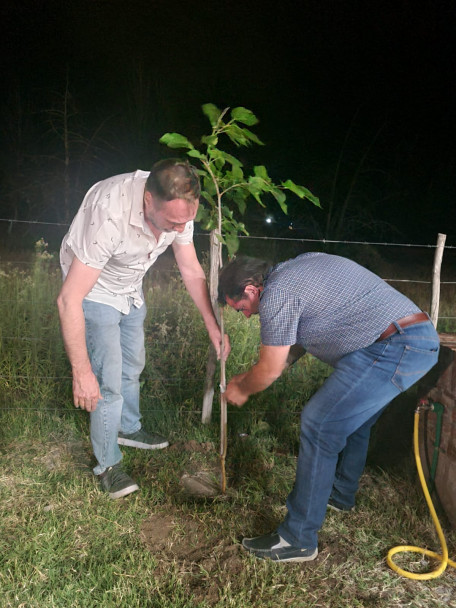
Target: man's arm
{"x":79,"y":281}
{"x":271,"y":363}
{"x":195,"y":283}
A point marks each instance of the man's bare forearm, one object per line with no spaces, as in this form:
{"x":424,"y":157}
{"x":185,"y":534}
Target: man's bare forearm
{"x":72,"y":324}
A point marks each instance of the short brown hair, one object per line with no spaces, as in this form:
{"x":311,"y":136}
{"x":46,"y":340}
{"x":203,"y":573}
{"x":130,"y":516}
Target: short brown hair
{"x":173,"y":178}
{"x":237,"y":274}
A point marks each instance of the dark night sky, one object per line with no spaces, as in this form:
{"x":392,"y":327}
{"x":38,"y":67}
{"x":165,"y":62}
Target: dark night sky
{"x":307,"y":69}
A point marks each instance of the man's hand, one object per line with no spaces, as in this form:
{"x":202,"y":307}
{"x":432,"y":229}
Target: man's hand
{"x":216,"y":339}
{"x":271,"y":363}
{"x":86,"y":391}
{"x":195,"y":283}
{"x":234,"y":394}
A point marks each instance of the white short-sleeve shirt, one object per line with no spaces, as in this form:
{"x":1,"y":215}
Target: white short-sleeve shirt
{"x":109,"y":233}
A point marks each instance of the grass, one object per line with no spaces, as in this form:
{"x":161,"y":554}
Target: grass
{"x":64,"y":543}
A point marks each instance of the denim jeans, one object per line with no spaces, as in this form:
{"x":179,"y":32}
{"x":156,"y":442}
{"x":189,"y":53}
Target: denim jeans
{"x":115,"y":343}
{"x":336,"y":424}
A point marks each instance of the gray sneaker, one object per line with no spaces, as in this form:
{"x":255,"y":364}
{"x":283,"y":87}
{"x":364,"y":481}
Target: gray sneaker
{"x":143,"y":440}
{"x":116,"y":482}
{"x":272,"y":546}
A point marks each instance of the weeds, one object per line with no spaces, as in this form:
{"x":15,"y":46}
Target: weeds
{"x":64,"y":543}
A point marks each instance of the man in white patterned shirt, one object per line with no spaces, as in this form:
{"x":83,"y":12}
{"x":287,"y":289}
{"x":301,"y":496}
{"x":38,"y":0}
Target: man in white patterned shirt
{"x":379,"y":343}
{"x":123,"y":225}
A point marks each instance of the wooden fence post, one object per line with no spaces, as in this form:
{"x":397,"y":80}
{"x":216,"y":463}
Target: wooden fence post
{"x":209,"y":389}
{"x":435,"y":296}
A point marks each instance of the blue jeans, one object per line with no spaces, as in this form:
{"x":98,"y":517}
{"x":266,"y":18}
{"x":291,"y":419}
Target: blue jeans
{"x":336,"y":424}
{"x":115,"y":343}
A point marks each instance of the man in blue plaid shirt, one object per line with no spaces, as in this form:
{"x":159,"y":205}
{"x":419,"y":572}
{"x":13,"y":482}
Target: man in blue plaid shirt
{"x":379,"y":343}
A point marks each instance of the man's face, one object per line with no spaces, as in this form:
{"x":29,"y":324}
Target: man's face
{"x":249,"y":303}
{"x":170,"y":216}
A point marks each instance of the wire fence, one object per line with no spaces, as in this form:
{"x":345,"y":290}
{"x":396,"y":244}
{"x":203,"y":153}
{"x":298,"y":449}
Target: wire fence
{"x":173,"y":381}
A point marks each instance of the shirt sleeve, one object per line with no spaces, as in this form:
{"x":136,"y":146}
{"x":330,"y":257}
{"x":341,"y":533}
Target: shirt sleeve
{"x":280,"y":314}
{"x":94,"y":235}
{"x":186,"y":236}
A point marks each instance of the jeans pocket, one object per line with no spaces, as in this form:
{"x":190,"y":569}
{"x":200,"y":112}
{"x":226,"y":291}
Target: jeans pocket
{"x":413,"y":365}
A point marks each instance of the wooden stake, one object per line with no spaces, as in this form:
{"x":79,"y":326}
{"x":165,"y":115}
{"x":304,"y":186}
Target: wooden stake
{"x":435,"y":296}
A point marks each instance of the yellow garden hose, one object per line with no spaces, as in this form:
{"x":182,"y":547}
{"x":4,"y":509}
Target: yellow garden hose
{"x":445,"y":561}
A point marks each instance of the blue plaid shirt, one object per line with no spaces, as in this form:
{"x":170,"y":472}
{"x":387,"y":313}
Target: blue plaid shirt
{"x":328,"y":304}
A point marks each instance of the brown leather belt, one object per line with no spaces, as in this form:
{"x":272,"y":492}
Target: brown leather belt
{"x":418,"y":317}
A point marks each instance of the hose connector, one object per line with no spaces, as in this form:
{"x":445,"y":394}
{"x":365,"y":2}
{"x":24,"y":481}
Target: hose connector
{"x":423,"y":405}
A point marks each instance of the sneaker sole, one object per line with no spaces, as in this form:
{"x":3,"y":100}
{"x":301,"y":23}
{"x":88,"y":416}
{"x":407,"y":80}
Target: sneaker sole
{"x":124,"y":491}
{"x":307,"y":558}
{"x":142,"y":446}
{"x":333,"y":508}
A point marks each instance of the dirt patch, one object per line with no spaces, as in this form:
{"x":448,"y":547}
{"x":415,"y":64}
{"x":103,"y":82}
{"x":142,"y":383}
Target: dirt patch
{"x":202,"y":557}
{"x":156,"y":530}
{"x":60,"y":456}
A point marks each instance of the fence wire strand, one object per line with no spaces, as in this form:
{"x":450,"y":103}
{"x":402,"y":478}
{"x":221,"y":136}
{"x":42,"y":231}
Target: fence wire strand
{"x":264,"y":238}
{"x":173,"y":381}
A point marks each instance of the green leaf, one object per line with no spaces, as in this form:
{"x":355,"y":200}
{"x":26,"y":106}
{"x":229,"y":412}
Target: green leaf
{"x":238,"y":195}
{"x":237,"y":136}
{"x":202,"y":214}
{"x":254,"y":186}
{"x":209,"y":140}
{"x":252,"y":137}
{"x":261,"y":171}
{"x":280,"y":197}
{"x":232,"y":243}
{"x":219,"y":162}
{"x":230,"y":159}
{"x":208,"y":198}
{"x":212,"y":112}
{"x":237,"y":173}
{"x":242,"y":228}
{"x":209,"y":185}
{"x":220,"y":238}
{"x":175,"y":140}
{"x":243,"y":115}
{"x":195,"y":154}
{"x":209,"y":225}
{"x":301,"y":191}
{"x":259,"y":183}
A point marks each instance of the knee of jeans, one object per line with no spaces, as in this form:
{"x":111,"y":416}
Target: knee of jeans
{"x":109,"y":396}
{"x":328,"y":436}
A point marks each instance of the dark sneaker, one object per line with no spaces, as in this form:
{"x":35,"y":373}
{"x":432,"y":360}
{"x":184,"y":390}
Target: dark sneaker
{"x":116,"y":482}
{"x":272,"y":546}
{"x":143,"y":440}
{"x":337,"y":506}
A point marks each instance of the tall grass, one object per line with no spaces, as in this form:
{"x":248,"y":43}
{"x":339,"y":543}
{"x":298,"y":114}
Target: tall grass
{"x":64,"y":543}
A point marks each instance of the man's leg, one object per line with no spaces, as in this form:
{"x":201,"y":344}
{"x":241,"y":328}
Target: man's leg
{"x":350,"y":465}
{"x":133,"y":360}
{"x":362,"y":384}
{"x":103,"y":345}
